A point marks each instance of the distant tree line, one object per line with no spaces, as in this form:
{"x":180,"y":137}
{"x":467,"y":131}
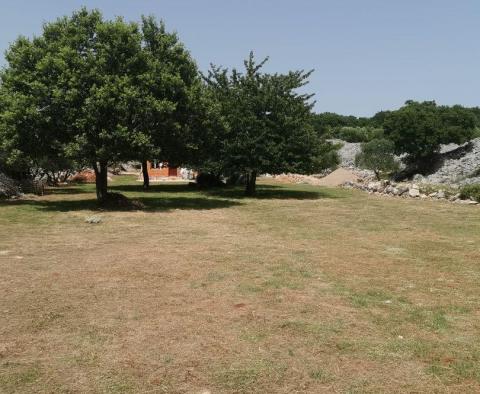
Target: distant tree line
{"x":332,"y":124}
{"x":416,"y":131}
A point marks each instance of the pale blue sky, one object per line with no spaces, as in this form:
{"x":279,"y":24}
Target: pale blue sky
{"x":368,"y":55}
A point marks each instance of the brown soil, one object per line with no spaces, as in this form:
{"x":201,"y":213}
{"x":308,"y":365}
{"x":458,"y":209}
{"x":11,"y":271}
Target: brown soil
{"x":338,"y":178}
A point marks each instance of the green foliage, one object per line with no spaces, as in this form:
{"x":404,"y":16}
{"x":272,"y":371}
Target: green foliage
{"x":475,"y":111}
{"x":419,"y":129}
{"x":357,"y":134}
{"x":378,"y":156}
{"x":264,"y":124}
{"x":328,"y":123}
{"x":470,"y":191}
{"x":97,"y":91}
{"x":378,"y":119}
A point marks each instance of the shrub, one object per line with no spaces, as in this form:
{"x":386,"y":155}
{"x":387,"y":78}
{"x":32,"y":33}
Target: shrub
{"x":358,"y":134}
{"x":471,"y":191}
{"x":207,"y":180}
{"x":377,"y":155}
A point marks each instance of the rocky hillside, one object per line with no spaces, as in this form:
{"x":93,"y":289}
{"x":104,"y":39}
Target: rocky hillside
{"x":347,"y":152}
{"x":458,"y":164}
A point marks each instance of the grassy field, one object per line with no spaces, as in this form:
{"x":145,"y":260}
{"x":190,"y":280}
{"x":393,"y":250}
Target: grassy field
{"x":301,"y":289}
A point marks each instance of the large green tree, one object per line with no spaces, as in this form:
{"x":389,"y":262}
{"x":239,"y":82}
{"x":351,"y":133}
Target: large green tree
{"x":419,"y":128}
{"x":265,"y":123}
{"x":97,"y":91}
{"x":171,"y":87}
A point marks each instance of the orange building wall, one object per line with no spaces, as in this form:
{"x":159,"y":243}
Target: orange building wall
{"x":160,"y":172}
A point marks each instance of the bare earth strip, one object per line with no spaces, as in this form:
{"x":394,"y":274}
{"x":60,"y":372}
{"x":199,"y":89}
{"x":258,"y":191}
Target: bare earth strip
{"x":303,"y":289}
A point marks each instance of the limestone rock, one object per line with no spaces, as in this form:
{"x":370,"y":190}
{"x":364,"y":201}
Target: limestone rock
{"x":412,"y":192}
{"x":93,"y":219}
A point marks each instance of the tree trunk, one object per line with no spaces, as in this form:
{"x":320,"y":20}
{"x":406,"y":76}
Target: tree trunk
{"x":101,"y":180}
{"x":251,"y":180}
{"x":146,"y":177}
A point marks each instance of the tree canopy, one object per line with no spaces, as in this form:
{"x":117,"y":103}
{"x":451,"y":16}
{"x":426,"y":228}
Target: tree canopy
{"x":266,"y":123}
{"x":419,"y":128}
{"x":97,"y":91}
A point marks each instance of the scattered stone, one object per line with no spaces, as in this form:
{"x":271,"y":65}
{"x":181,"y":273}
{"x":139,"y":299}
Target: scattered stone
{"x":455,"y":197}
{"x":413,"y":192}
{"x":405,"y":190}
{"x":93,"y":219}
{"x":374,"y":186}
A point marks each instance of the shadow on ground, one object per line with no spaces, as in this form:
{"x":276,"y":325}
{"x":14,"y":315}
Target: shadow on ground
{"x":154,"y":188}
{"x":152,"y":204}
{"x":273,"y":192}
{"x":166,"y":197}
{"x":73,"y":189}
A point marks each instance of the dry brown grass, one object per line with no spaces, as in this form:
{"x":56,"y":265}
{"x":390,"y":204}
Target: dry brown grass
{"x":301,"y":290}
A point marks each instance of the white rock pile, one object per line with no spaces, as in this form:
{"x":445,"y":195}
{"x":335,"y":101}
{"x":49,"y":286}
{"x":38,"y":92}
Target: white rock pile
{"x":8,"y":187}
{"x":408,"y":190}
{"x":462,"y":168}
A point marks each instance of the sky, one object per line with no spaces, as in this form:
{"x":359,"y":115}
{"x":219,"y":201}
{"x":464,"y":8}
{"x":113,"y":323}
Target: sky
{"x":368,"y":55}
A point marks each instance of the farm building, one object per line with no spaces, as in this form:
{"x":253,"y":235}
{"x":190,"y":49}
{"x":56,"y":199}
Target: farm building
{"x":157,"y":168}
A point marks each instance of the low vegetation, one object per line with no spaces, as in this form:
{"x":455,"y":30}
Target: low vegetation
{"x":471,"y":191}
{"x":378,"y":156}
{"x":299,"y":289}
{"x":357,"y":134}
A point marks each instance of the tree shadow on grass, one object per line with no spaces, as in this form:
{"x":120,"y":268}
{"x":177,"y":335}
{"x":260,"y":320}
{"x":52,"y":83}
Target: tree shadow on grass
{"x":81,"y":188}
{"x":154,"y":188}
{"x":167,"y":197}
{"x":152,"y":204}
{"x":74,"y":189}
{"x":273,"y":192}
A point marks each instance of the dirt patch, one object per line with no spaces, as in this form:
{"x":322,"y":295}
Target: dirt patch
{"x":86,"y":176}
{"x":334,"y":179}
{"x":338,"y":177}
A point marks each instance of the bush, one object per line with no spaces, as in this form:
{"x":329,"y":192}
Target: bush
{"x":470,"y":191}
{"x":206,"y":180}
{"x":377,"y":155}
{"x":358,"y":134}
